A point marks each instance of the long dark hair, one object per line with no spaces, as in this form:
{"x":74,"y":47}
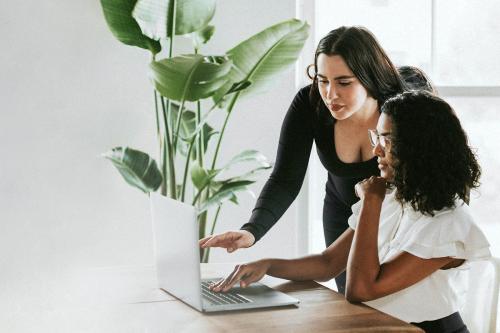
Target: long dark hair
{"x":364,"y":57}
{"x":415,"y":79}
{"x":433,"y":163}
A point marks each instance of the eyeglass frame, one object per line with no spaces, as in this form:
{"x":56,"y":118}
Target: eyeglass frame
{"x":383,"y":139}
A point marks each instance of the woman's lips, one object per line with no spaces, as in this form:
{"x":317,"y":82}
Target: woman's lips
{"x":382,"y":166}
{"x":336,"y":107}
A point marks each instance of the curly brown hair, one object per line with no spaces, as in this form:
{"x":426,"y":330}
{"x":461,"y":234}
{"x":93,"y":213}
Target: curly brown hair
{"x":434,"y":164}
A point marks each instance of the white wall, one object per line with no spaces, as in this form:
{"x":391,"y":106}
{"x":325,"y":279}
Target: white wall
{"x":70,"y":91}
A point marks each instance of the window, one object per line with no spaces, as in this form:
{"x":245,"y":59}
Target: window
{"x":455,"y":42}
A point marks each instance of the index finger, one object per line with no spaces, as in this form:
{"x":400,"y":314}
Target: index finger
{"x":219,"y":285}
{"x":216,"y":240}
{"x":204,"y":240}
{"x":240,"y":274}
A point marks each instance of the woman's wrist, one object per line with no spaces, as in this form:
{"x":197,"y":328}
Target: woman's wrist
{"x":250,"y":237}
{"x":372,"y":199}
{"x":267,"y":265}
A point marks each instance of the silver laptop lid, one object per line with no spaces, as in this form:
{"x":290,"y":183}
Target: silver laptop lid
{"x":175,"y":234}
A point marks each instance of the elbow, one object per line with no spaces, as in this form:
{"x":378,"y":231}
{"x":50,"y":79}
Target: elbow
{"x":327,"y":273}
{"x":362,"y":286}
{"x":360,"y":292}
{"x":354,"y":297}
{"x":324,"y":278}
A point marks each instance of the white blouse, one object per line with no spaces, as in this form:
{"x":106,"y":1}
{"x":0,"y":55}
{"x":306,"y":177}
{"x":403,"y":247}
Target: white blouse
{"x":451,"y":232}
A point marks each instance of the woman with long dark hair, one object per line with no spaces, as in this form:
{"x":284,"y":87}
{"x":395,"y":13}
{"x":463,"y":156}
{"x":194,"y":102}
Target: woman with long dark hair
{"x":352,"y":77}
{"x":411,"y":232}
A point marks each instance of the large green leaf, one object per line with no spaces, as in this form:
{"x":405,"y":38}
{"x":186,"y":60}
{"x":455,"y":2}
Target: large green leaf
{"x":189,"y":77}
{"x":118,"y":15}
{"x":188,"y":128}
{"x":226,"y":192}
{"x":251,"y":173}
{"x":136,"y":167}
{"x":248,"y":155}
{"x":202,"y":36}
{"x":201,"y":177}
{"x":155,"y":16}
{"x":264,"y":55}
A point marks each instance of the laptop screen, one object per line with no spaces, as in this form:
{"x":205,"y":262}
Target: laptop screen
{"x":175,"y":233}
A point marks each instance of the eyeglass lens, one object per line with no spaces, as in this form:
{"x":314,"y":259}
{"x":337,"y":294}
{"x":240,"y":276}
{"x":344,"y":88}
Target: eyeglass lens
{"x":375,"y":138}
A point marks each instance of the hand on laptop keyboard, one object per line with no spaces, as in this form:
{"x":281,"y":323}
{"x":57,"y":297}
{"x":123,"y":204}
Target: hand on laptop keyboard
{"x":221,"y":298}
{"x":244,"y":274}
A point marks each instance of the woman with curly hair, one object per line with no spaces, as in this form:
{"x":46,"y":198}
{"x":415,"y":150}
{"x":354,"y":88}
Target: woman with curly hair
{"x":411,"y":233}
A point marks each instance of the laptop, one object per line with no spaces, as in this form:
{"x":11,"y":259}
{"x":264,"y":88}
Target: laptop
{"x":177,"y":253}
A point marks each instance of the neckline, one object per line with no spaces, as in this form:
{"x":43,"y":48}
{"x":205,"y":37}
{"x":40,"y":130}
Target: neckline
{"x":337,"y":158}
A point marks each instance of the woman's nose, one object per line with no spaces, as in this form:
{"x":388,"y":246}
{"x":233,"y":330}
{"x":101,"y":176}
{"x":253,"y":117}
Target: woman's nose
{"x":378,"y":150}
{"x":332,"y":93}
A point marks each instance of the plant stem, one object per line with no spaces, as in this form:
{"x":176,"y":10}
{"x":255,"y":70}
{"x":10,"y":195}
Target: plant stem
{"x":160,"y":145}
{"x":186,"y":169}
{"x":229,"y":109}
{"x":199,"y":143}
{"x":215,"y":219}
{"x":206,"y":254}
{"x":202,"y":222}
{"x":174,"y":14}
{"x":201,"y":139}
{"x":173,"y":9}
{"x":157,"y":119}
{"x":169,"y":153}
{"x":178,"y":124}
{"x":197,"y":196}
{"x":164,"y":170}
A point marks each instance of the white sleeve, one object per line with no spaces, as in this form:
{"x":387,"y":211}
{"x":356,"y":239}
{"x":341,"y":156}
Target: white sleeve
{"x":354,"y":218}
{"x":450,"y":234}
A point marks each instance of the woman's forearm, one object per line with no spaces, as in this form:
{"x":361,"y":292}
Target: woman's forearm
{"x":314,"y":267}
{"x":363,"y":265}
{"x":321,"y":267}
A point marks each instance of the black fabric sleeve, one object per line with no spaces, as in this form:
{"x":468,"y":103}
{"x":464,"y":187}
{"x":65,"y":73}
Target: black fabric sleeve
{"x":286,"y":179}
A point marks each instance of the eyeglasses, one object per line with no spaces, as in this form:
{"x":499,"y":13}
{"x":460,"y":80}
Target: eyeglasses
{"x":383,"y":139}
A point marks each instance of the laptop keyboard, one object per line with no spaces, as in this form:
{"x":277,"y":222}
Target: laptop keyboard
{"x":229,"y":297}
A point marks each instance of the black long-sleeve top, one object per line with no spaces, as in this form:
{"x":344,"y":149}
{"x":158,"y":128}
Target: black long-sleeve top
{"x":304,"y":123}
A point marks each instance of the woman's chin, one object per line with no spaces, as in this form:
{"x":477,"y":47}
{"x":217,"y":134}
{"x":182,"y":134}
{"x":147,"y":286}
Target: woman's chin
{"x":387,"y":175}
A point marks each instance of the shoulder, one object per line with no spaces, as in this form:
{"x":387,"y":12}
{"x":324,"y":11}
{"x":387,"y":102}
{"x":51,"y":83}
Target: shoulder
{"x":451,"y":218}
{"x":302,"y":96}
{"x":451,"y":232}
{"x":300,"y":109}
{"x":305,"y":91}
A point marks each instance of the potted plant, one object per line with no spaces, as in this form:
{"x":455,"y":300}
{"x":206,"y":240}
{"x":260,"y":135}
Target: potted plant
{"x":187,"y":170}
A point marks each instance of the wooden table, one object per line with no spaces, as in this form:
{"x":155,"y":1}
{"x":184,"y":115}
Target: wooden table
{"x":320,"y":310}
{"x":126,"y":299}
